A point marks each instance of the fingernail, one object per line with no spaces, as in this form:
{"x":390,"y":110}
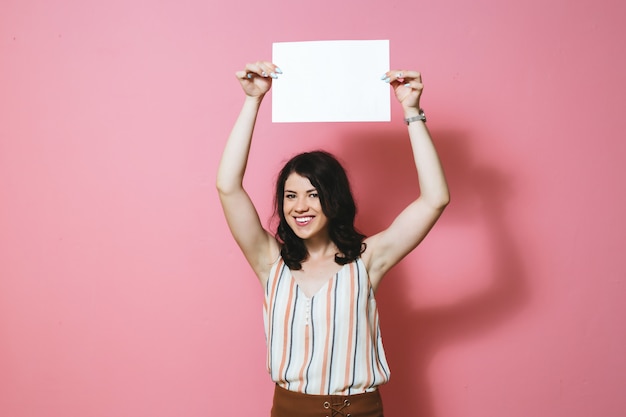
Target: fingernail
{"x":386,"y":79}
{"x":264,"y":74}
{"x":249,"y":75}
{"x":278,"y":70}
{"x":273,"y":75}
{"x":399,"y":75}
{"x":407,"y":85}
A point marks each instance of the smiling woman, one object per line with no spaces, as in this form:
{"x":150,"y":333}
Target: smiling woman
{"x":332,"y":203}
{"x":319,"y":274}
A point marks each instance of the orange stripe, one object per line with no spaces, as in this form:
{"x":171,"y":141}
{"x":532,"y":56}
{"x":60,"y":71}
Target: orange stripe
{"x":306,"y":357}
{"x":272,"y":294}
{"x":349,"y":353}
{"x":326,"y":344}
{"x":283,"y":361}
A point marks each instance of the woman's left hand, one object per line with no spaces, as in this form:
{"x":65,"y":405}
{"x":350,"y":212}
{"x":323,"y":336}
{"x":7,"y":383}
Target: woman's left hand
{"x":407,"y":86}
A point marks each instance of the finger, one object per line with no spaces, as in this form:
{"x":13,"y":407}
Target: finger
{"x":262,"y":69}
{"x":242,"y":75}
{"x":408,"y":75}
{"x":401,"y":76}
{"x":415,"y":85}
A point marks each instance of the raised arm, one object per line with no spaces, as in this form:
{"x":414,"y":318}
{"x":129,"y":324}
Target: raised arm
{"x":258,"y":246}
{"x":387,"y":248}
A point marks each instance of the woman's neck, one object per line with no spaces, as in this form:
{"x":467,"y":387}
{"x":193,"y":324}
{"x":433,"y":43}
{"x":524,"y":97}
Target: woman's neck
{"x":320,"y":248}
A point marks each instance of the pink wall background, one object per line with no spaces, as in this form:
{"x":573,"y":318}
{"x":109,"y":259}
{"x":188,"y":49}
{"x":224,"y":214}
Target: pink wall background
{"x":123,"y":294}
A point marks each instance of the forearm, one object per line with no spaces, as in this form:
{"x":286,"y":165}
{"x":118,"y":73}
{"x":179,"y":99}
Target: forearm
{"x":432,"y":181}
{"x":235,"y":155}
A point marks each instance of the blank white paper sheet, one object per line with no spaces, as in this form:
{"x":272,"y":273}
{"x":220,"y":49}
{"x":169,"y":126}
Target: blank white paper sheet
{"x":331,"y":81}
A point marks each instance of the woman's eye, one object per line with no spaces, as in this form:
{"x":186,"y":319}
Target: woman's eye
{"x":290,"y":196}
{"x":313,"y":195}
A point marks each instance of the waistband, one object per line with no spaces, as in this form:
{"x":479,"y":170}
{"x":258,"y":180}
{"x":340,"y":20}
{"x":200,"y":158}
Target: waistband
{"x":296,"y":404}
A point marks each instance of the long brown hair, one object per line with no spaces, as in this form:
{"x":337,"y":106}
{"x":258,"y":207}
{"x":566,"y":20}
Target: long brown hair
{"x":329,"y":178}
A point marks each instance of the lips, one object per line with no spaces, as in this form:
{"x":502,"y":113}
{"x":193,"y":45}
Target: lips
{"x":304,"y":220}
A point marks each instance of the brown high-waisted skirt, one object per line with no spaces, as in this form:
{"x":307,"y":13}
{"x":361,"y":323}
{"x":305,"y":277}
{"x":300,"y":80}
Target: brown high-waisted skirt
{"x":294,"y":404}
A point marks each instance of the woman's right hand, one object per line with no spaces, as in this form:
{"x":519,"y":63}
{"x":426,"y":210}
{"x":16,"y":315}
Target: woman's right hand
{"x":256,"y":79}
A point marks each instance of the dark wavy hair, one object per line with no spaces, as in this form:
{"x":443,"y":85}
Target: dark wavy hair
{"x":331,"y":182}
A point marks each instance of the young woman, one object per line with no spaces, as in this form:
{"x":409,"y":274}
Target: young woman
{"x":319,"y":274}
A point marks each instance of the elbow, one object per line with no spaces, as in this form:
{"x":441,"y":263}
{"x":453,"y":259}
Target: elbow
{"x":441,"y":201}
{"x":222,"y":184}
{"x":221,"y":187}
{"x":444,"y":201}
{"x":225,"y":188}
{"x":436,"y":196}
{"x":223,"y":191}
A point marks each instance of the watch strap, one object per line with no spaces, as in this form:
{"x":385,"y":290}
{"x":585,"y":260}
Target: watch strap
{"x":421,"y":117}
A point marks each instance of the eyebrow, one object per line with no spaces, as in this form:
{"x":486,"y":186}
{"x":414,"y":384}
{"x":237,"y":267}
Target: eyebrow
{"x":307,"y":191}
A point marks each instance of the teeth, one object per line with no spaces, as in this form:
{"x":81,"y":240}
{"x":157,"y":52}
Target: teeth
{"x":303,"y":219}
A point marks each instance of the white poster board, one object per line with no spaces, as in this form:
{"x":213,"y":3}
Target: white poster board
{"x":331,"y":81}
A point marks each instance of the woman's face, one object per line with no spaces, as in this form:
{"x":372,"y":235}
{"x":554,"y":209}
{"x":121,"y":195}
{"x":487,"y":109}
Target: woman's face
{"x":302,"y":208}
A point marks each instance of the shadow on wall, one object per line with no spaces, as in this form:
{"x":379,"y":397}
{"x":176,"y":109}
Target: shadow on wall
{"x":382,"y":165}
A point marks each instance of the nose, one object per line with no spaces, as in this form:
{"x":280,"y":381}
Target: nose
{"x":301,"y":205}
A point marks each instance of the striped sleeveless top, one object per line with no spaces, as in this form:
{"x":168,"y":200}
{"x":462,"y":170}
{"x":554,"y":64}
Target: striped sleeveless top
{"x":329,"y":344}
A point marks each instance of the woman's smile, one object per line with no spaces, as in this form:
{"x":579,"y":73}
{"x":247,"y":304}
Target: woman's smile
{"x":304,"y":220}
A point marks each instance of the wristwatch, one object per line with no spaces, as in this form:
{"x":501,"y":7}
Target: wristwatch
{"x":421,"y":117}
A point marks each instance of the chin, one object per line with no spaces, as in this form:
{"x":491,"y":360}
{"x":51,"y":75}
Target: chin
{"x":300,"y":234}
